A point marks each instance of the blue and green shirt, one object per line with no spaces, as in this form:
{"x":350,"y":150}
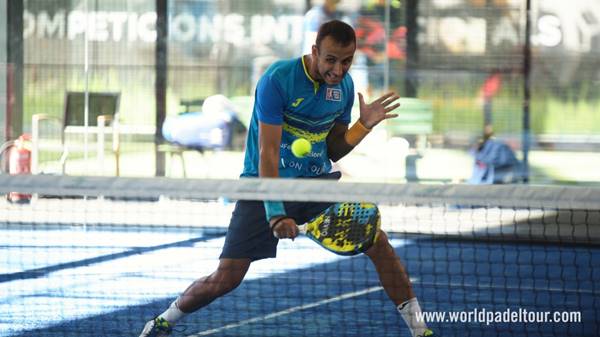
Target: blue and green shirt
{"x":286,"y":95}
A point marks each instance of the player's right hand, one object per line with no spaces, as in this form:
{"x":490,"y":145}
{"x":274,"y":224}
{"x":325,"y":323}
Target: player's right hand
{"x":284,"y":229}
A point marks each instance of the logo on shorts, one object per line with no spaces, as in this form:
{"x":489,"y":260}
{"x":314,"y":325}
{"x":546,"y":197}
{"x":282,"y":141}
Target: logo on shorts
{"x":333,"y":94}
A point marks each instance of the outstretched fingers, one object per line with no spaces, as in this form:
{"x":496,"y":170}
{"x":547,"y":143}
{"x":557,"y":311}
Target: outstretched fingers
{"x":379,"y":109}
{"x":390,"y":99}
{"x":361,"y":99}
{"x":387,"y":98}
{"x":391,"y":107}
{"x":384,"y":97}
{"x":390,"y":103}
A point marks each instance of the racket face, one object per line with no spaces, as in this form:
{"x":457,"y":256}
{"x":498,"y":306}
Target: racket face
{"x":347,"y":228}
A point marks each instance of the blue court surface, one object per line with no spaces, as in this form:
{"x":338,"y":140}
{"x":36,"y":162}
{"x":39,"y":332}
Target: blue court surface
{"x":110,"y":281}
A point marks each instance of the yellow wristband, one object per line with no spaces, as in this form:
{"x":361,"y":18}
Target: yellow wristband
{"x":356,"y":133}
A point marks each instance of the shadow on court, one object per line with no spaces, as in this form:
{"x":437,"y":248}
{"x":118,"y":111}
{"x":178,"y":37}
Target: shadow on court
{"x":343,"y":298}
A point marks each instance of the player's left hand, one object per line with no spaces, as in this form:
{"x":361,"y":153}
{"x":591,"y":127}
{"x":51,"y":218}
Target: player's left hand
{"x":373,"y":113}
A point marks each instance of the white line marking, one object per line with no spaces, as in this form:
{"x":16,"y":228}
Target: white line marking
{"x":507,"y":287}
{"x":288,"y":311}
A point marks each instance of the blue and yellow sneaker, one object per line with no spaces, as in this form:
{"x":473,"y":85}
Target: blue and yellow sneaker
{"x":158,"y":327}
{"x":428,"y":333}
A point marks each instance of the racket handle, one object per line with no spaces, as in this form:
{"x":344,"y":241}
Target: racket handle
{"x":302,"y":229}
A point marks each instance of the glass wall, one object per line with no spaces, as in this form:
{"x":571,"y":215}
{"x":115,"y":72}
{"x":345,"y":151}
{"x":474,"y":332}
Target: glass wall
{"x":468,"y":65}
{"x":3,"y":71}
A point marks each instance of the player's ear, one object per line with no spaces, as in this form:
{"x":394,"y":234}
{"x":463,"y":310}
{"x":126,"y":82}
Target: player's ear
{"x":315,"y":51}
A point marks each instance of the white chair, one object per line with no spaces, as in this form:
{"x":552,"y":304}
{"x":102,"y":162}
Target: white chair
{"x":102,"y":111}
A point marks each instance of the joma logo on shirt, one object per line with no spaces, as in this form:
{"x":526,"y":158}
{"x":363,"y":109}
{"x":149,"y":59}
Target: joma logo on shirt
{"x":297,"y":102}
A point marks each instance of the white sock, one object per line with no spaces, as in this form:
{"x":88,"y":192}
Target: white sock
{"x":173,"y":314}
{"x":408,"y":310}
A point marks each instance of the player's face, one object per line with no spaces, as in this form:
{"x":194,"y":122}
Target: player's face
{"x":333,"y":60}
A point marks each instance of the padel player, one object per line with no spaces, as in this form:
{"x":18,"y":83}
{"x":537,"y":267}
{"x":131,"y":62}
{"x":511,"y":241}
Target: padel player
{"x":309,"y":97}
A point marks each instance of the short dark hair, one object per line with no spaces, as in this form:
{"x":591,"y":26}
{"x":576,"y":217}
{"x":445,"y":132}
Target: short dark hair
{"x":340,"y":31}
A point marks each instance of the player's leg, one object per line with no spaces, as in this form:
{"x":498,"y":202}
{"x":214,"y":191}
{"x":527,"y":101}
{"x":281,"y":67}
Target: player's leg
{"x":248,"y":239}
{"x":200,"y":293}
{"x":228,"y":276}
{"x":391,"y":271}
{"x":396,"y":283}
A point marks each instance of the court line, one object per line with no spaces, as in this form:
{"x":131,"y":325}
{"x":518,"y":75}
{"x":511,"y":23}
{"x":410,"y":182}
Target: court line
{"x":44,"y":271}
{"x":478,"y":286}
{"x":507,"y":287}
{"x":288,"y":311}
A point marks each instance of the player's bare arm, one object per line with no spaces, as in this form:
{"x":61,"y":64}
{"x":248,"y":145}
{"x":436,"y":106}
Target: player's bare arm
{"x":269,"y":140}
{"x":336,"y":146}
{"x":341,"y":140}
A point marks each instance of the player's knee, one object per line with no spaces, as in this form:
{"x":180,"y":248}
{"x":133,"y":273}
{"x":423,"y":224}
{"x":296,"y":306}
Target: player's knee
{"x":382,"y":239}
{"x":231,"y":284}
{"x":225,"y":280}
{"x":381,"y":244}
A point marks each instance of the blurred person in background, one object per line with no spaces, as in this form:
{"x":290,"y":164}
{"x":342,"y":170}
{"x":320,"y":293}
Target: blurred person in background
{"x":314,"y":18}
{"x":374,"y":43}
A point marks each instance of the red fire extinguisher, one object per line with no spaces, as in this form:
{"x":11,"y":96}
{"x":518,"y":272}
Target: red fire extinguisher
{"x":19,"y":162}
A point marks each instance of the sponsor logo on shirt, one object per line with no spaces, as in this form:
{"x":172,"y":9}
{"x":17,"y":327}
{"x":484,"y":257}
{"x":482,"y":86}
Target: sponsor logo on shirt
{"x":333,"y":94}
{"x":297,"y":102}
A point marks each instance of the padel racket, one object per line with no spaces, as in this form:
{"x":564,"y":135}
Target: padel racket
{"x":346,"y":228}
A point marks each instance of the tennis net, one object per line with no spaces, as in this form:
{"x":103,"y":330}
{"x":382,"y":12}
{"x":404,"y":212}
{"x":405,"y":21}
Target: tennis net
{"x":98,"y":256}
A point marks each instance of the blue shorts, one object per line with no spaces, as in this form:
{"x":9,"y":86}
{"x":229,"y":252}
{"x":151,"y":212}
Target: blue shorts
{"x":249,"y":235}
